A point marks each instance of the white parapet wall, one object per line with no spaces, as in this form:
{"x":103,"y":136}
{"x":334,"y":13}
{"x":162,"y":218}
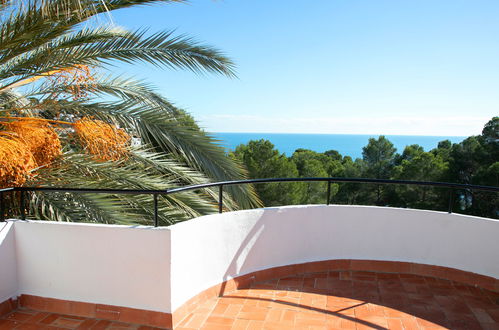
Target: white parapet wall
{"x":8,"y":263}
{"x":105,"y":264}
{"x":212,"y":249}
{"x":159,"y":269}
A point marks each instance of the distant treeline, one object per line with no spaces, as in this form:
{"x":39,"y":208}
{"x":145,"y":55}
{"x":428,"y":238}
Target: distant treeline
{"x":475,"y":160}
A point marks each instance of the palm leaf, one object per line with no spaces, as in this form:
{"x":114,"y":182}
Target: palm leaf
{"x":44,"y":36}
{"x":160,"y":49}
{"x":37,"y":23}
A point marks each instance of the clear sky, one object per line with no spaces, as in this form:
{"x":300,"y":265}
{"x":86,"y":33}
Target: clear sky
{"x":420,"y":67}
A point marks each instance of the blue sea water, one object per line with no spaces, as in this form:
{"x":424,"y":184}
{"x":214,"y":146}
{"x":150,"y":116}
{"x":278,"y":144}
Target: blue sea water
{"x":346,"y":144}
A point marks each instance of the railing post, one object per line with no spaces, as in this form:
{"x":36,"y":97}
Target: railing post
{"x":220,"y":198}
{"x":328,"y":192}
{"x":2,"y":207}
{"x":155,"y":210}
{"x":451,"y":200}
{"x":23,"y":211}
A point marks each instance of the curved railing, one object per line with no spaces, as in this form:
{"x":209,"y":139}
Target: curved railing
{"x":220,"y":185}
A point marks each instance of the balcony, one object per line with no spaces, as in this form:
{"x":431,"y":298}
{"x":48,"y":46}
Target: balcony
{"x":292,"y":267}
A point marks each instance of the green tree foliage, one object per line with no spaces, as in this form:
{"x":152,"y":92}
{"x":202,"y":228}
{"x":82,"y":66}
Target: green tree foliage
{"x":417,"y":165}
{"x":475,"y":160}
{"x":262,"y":160}
{"x":349,"y":193}
{"x":311,"y":164}
{"x":379,"y":158}
{"x":490,"y":131}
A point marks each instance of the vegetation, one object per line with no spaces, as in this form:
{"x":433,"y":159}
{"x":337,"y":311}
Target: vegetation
{"x":473,"y":161}
{"x":65,"y":121}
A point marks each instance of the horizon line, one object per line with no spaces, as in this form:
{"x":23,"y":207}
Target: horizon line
{"x":366,"y":134}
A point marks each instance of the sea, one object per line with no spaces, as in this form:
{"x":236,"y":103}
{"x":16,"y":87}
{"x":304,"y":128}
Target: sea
{"x":346,"y":144}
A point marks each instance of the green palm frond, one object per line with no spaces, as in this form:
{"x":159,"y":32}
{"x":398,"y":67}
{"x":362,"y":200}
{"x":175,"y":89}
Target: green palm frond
{"x":184,"y":175}
{"x":157,"y":125}
{"x":196,"y":148}
{"x":126,"y":89}
{"x":143,"y":171}
{"x":199,"y":150}
{"x":160,"y":49}
{"x":53,"y":207}
{"x":38,"y":22}
{"x":44,"y":36}
{"x":10,"y":99}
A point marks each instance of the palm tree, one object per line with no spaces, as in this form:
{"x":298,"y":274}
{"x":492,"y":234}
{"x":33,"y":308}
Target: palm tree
{"x":54,"y":65}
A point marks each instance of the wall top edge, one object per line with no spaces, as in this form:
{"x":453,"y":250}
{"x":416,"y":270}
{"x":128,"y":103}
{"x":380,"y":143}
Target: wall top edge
{"x":337,"y":206}
{"x":259,"y":210}
{"x":86,"y":224}
{"x":4,"y":229}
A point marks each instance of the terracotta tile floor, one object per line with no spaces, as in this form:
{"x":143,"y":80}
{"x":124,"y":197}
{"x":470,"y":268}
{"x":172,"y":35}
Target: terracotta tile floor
{"x":32,"y":320}
{"x":329,"y":300}
{"x":350,"y":300}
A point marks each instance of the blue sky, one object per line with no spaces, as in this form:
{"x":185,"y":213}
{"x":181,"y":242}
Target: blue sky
{"x":420,"y":67}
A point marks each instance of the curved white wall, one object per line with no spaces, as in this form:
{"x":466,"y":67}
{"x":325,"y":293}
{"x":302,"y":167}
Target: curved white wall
{"x":8,"y":264}
{"x":125,"y":266}
{"x":211,"y":249}
{"x":159,"y":269}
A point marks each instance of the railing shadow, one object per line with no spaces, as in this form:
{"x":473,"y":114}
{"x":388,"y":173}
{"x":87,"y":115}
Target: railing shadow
{"x":441,"y":302}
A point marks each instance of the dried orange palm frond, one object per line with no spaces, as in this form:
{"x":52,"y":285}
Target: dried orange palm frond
{"x":38,"y":137}
{"x":16,"y":162}
{"x":50,"y":121}
{"x":31,"y":79}
{"x":79,"y":79}
{"x":103,"y":140}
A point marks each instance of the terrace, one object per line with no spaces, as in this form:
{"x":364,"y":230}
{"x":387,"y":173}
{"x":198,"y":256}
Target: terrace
{"x":303,"y":267}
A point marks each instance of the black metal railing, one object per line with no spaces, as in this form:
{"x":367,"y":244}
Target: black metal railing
{"x":155,"y":193}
